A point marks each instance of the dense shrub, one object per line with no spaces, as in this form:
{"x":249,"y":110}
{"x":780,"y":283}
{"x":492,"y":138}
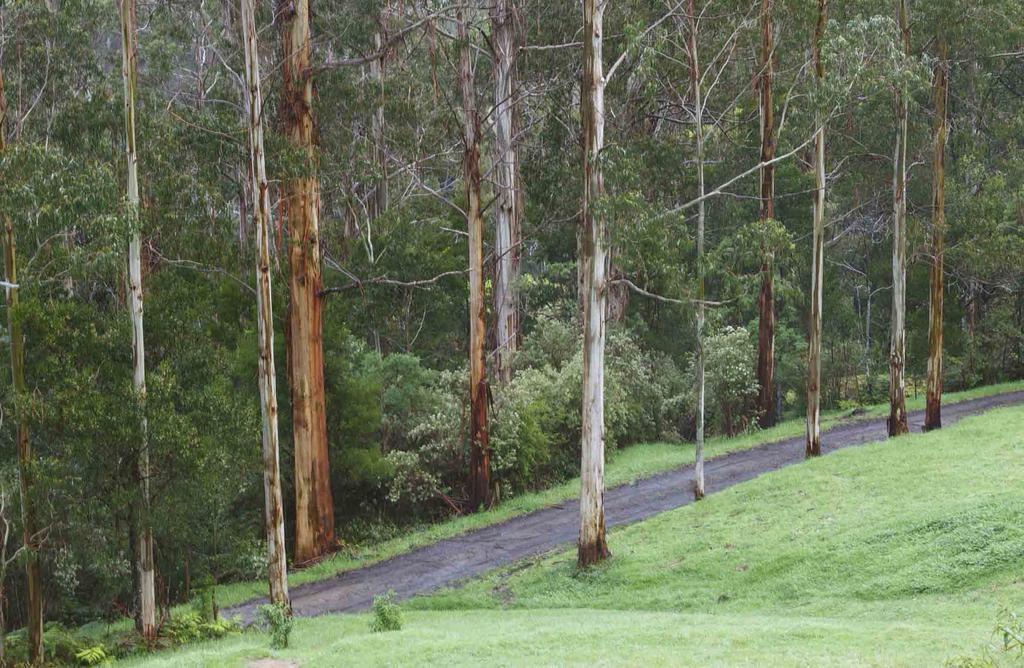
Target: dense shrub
{"x":534,"y":419}
{"x":387,"y":616}
{"x":277,"y":620}
{"x":192,"y":626}
{"x":730,"y":384}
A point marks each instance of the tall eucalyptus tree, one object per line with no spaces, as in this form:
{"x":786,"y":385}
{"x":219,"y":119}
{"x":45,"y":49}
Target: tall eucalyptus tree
{"x":940,"y":94}
{"x":693,"y":22}
{"x":145,"y":569}
{"x":314,"y":503}
{"x":507,"y":205}
{"x":897,"y":422}
{"x":813,"y":448}
{"x":29,"y":519}
{"x":766,"y":297}
{"x":277,"y":560}
{"x":593,"y":260}
{"x":479,"y":447}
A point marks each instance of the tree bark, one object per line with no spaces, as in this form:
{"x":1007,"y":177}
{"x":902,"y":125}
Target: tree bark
{"x":897,"y":422}
{"x":593,"y":545}
{"x":818,"y":250}
{"x":933,"y":408}
{"x":766,"y":298}
{"x":29,"y":520}
{"x":506,"y":239}
{"x":378,"y":203}
{"x":314,"y":503}
{"x":145,"y":570}
{"x":479,"y":447}
{"x":698,"y":118}
{"x":277,"y":559}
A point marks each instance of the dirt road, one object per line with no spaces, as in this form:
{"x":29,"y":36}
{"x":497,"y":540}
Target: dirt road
{"x":449,"y":561}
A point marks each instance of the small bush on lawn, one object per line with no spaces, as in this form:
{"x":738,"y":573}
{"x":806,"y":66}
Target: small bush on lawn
{"x":387,"y":616}
{"x":278,"y":621}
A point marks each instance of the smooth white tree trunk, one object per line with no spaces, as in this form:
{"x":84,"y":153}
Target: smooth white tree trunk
{"x":506,"y":242}
{"x":277,"y":560}
{"x":940,"y":92}
{"x":593,"y":260}
{"x":378,"y":203}
{"x":817,"y":256}
{"x":698,"y":118}
{"x":144,"y":549}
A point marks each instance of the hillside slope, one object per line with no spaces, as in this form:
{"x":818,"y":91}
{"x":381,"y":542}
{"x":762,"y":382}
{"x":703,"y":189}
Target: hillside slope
{"x":896,"y":553}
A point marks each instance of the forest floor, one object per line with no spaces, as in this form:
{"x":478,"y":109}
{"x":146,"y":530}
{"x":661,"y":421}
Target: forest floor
{"x":625,"y":467}
{"x":896,"y":553}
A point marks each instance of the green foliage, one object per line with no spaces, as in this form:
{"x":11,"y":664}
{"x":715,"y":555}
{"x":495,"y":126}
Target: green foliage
{"x":93,"y":656}
{"x":204,"y":602}
{"x":192,"y":626}
{"x":1010,"y":629}
{"x":730,"y":383}
{"x":278,"y":621}
{"x":387,"y":616}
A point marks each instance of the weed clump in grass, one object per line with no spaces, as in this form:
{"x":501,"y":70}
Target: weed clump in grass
{"x":387,"y":616}
{"x":278,"y":621}
{"x":1010,"y":633}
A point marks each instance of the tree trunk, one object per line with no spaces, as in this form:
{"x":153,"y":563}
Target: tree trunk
{"x":698,"y":119}
{"x":146,"y":614}
{"x":897,"y":422}
{"x":593,"y":546}
{"x":314,"y":504}
{"x":479,"y":448}
{"x":818,"y":250}
{"x":868,"y":370}
{"x":277,"y":560}
{"x":29,"y":521}
{"x":506,"y":240}
{"x":766,"y":298}
{"x":378,"y":203}
{"x":933,"y":409}
{"x":3,"y":620}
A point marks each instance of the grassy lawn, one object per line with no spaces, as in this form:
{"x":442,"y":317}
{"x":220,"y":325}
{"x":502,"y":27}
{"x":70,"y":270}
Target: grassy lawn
{"x":624,"y":466}
{"x":896,"y":553}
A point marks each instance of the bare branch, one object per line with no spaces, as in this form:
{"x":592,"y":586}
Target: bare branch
{"x":356,"y":282}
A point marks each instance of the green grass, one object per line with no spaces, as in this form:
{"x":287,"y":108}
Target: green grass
{"x":624,"y":466}
{"x":895,"y":553}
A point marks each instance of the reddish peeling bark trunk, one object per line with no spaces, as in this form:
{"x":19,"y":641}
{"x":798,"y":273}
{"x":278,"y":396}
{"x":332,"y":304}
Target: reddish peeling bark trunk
{"x":766,"y":298}
{"x":933,"y":408}
{"x":593,"y":545}
{"x":813,"y":448}
{"x":273,"y":517}
{"x":897,"y":421}
{"x":314,"y":503}
{"x":479,"y":447}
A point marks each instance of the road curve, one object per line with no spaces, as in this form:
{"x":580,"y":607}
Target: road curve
{"x":452,"y":560}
